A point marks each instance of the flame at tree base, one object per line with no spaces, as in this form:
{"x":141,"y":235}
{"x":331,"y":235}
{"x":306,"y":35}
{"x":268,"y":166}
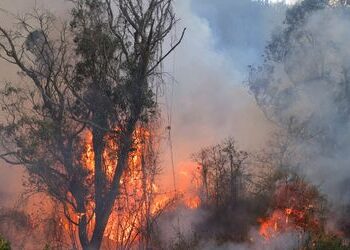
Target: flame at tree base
{"x":140,"y":201}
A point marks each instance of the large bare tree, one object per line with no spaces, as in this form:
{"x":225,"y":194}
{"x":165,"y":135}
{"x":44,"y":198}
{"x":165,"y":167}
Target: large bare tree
{"x":96,"y":74}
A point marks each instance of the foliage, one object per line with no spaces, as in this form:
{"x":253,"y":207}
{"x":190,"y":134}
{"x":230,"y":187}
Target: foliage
{"x":228,"y":192}
{"x":47,"y":247}
{"x":221,"y":173}
{"x":183,"y":242}
{"x":257,"y":194}
{"x":307,"y":207}
{"x":326,"y":242}
{"x":4,"y":244}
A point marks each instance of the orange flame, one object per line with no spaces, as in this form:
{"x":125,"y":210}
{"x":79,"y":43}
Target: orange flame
{"x":189,"y":185}
{"x":281,"y":221}
{"x":134,"y":203}
{"x":140,"y":198}
{"x":277,"y":223}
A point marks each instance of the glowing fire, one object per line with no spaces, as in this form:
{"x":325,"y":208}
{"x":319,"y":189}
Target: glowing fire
{"x":188,"y":184}
{"x":280,"y":221}
{"x":193,"y":202}
{"x":297,"y":208}
{"x":136,"y":202}
{"x":140,"y":198}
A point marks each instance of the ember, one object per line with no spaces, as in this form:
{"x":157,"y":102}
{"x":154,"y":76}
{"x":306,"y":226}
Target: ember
{"x":298,"y":207}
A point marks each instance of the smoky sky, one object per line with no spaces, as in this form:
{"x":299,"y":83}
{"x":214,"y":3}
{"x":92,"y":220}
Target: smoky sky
{"x":241,"y":28}
{"x":210,"y":100}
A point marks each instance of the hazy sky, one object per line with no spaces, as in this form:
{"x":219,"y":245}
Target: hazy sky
{"x":284,"y":1}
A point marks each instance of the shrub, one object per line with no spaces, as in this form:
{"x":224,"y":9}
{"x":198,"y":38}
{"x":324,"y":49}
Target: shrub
{"x":4,"y":244}
{"x":327,"y":242}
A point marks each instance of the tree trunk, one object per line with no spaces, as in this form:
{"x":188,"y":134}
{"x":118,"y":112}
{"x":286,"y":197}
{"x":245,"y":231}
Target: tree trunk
{"x":83,"y":237}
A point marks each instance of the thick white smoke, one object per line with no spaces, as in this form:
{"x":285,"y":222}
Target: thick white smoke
{"x":309,"y":87}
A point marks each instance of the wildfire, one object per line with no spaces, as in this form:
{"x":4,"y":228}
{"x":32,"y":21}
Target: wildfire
{"x":297,"y":208}
{"x":138,"y":201}
{"x":189,"y":184}
{"x":280,"y":221}
{"x":140,"y":197}
{"x":193,"y":202}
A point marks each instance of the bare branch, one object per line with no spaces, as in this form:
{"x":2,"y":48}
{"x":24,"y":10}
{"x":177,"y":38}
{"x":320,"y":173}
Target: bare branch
{"x":168,"y":53}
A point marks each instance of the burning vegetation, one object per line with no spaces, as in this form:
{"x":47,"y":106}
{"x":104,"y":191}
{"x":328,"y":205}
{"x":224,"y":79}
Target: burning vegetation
{"x":297,"y":207}
{"x":139,"y":202}
{"x":85,"y":127}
